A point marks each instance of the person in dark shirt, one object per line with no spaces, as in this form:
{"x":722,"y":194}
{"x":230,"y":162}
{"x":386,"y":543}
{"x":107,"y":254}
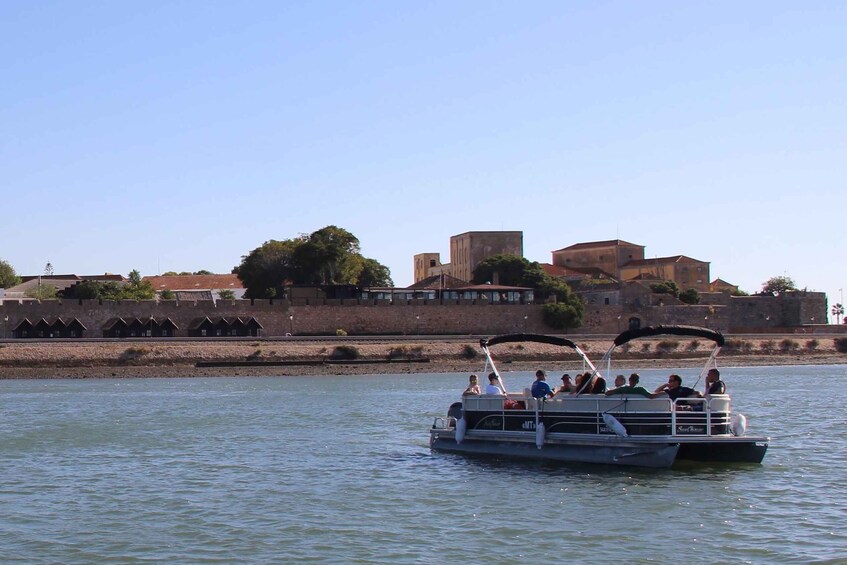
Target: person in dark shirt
{"x":674,"y":389}
{"x":540,"y":388}
{"x":714,"y":384}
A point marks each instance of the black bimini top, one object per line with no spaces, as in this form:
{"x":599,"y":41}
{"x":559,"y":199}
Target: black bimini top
{"x":650,"y":331}
{"x":537,"y":338}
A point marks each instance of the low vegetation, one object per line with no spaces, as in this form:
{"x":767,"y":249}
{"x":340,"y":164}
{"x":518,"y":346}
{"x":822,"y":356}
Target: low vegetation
{"x":469,"y":352}
{"x":841,"y":344}
{"x":345,"y":353}
{"x":133,"y":354}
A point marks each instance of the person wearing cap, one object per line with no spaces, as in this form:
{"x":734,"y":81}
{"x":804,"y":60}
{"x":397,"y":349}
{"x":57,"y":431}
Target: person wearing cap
{"x":567,"y":385}
{"x":540,"y":388}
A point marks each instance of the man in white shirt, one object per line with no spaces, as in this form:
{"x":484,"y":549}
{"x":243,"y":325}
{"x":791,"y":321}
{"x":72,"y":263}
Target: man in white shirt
{"x":493,"y":385}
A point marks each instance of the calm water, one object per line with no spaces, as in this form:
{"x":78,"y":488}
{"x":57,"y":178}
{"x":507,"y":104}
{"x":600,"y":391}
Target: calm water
{"x":338,"y":470}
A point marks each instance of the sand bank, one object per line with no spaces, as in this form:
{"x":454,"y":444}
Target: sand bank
{"x":246,"y":358}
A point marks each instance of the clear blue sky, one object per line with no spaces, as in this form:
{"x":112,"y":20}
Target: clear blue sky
{"x":181,"y":135}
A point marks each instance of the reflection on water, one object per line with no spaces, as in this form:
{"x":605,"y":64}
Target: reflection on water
{"x":338,"y":469}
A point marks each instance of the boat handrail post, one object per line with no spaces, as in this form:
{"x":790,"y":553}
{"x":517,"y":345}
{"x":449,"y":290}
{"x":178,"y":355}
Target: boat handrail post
{"x":707,"y":406}
{"x":673,"y":417}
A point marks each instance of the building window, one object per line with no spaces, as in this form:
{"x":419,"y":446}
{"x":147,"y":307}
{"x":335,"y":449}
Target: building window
{"x":218,"y":332}
{"x":203,"y":333}
{"x":606,"y":301}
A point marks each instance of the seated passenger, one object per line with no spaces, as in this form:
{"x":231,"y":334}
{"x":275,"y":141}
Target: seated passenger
{"x":620,"y":380}
{"x":599,"y":386}
{"x":577,"y":383}
{"x":714,"y":384}
{"x":673,"y":389}
{"x":473,"y":386}
{"x":632,"y":388}
{"x":567,"y":386}
{"x":494,"y":385}
{"x":540,"y":388}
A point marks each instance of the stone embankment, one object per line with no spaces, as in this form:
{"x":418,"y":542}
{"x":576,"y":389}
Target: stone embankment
{"x":141,"y":358}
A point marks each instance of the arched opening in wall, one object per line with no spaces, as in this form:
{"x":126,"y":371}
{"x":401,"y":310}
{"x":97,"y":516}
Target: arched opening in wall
{"x":635,"y":323}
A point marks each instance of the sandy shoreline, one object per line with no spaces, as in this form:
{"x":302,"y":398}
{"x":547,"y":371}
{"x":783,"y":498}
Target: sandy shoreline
{"x":129,"y":359}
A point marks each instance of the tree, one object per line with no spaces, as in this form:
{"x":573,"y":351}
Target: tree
{"x":512,"y":270}
{"x":266,"y":269}
{"x":508,"y":270}
{"x":42,"y":291}
{"x":374,"y":273}
{"x":690,"y":296}
{"x":167,"y":294}
{"x":320,"y":258}
{"x":778,"y":285}
{"x":136,"y":288}
{"x":226,"y":294}
{"x":204,"y":272}
{"x":85,"y":290}
{"x":838,"y":311}
{"x":561,"y":316}
{"x":328,"y":256}
{"x":8,"y":277}
{"x":665,"y":287}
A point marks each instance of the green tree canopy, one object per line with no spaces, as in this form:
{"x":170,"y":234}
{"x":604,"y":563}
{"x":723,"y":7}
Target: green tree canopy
{"x":512,"y":270}
{"x":690,"y":296}
{"x":42,"y":292}
{"x":226,"y":294}
{"x":328,"y":256}
{"x":778,"y":285}
{"x":665,"y":287}
{"x":8,"y":276}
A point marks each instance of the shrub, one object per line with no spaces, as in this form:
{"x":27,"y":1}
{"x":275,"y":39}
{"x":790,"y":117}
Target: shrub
{"x":812,"y":344}
{"x":340,"y":332}
{"x":738,"y":346}
{"x":694,"y":345}
{"x":840,"y":344}
{"x":133,"y":354}
{"x":788,"y":345}
{"x":561,"y":315}
{"x":404,"y":352}
{"x":344,"y":352}
{"x":645,"y":347}
{"x":469,"y":352}
{"x":667,"y":345}
{"x":767,"y":346}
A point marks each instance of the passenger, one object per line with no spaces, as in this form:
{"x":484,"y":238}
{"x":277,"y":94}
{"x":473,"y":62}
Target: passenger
{"x":632,"y":388}
{"x":599,"y":386}
{"x":567,"y":385}
{"x":714,"y":384}
{"x":673,"y":389}
{"x":473,"y":386}
{"x":494,"y":385}
{"x":540,"y":388}
{"x":578,"y":381}
{"x":620,"y":380}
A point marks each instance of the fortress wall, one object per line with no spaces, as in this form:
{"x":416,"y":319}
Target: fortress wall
{"x":358,"y":317}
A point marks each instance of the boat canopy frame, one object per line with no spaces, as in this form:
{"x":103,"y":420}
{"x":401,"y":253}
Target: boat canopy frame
{"x":485,"y":343}
{"x":653,"y":331}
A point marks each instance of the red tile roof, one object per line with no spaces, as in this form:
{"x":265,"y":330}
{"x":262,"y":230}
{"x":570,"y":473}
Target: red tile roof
{"x":593,"y":244}
{"x":195,"y":282}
